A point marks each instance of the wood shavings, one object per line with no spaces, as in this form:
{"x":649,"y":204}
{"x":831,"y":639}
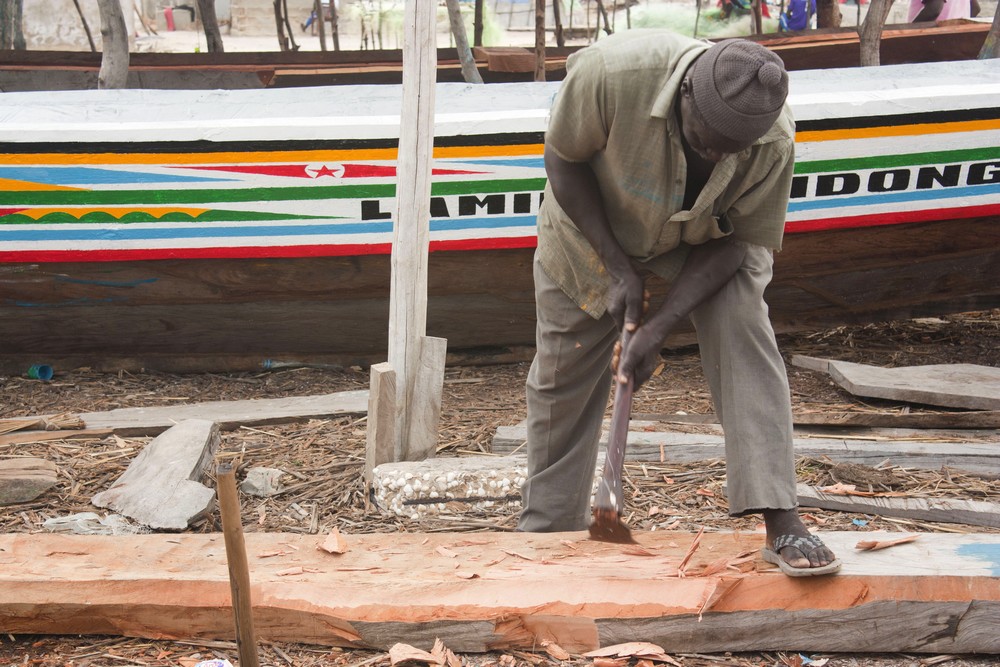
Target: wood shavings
{"x":334,"y":543}
{"x":875,"y":545}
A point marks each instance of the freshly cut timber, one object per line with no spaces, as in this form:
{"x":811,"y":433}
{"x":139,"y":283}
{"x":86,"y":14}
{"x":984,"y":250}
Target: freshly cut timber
{"x":939,"y":593}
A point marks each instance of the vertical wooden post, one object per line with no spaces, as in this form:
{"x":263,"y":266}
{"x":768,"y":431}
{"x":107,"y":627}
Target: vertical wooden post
{"x":239,"y":569}
{"x":411,"y":230}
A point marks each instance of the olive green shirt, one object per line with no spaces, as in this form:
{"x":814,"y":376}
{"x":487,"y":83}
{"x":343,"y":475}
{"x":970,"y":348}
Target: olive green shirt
{"x":616,"y":110}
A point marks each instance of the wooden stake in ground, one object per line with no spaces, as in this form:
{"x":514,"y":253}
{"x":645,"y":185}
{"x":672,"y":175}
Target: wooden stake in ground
{"x":417,"y":359}
{"x":239,"y":569}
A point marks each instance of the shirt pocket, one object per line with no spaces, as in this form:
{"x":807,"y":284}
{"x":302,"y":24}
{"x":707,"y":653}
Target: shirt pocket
{"x":704,"y":228}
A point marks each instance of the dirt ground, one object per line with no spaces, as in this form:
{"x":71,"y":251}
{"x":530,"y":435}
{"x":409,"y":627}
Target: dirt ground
{"x":323,"y":460}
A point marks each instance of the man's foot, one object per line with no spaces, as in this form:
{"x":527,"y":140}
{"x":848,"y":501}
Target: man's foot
{"x":793,"y":548}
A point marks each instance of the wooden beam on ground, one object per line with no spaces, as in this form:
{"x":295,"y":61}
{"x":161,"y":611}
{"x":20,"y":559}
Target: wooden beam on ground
{"x":33,"y":437}
{"x":162,"y":486}
{"x":960,"y":453}
{"x":967,"y":386}
{"x":975,"y":419}
{"x":486,"y":591}
{"x":947,"y":510}
{"x":227,"y":414}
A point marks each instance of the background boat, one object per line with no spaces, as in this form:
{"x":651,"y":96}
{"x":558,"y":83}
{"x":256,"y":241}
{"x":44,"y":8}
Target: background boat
{"x":211,"y":230}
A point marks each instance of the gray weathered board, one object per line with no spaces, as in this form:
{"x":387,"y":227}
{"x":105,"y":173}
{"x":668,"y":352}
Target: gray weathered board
{"x":229,"y":414}
{"x":162,"y":486}
{"x":947,"y":510}
{"x":962,"y":452}
{"x":967,"y":386}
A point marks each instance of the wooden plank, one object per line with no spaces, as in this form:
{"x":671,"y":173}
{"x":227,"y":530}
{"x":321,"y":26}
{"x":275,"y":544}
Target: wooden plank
{"x":411,"y":225}
{"x":228,"y":414}
{"x":479,"y":592}
{"x":33,"y":437}
{"x":380,"y":443}
{"x":425,"y":399}
{"x":977,"y":419}
{"x":967,"y":386}
{"x":947,"y":510}
{"x":980,"y":457}
{"x":161,"y":488}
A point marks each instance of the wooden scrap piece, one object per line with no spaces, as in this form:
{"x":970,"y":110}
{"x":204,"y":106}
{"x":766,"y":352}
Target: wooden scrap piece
{"x":161,"y":487}
{"x":875,"y":545}
{"x":402,"y":653}
{"x":334,"y":543}
{"x":24,"y":479}
{"x":945,"y":510}
{"x":967,"y":386}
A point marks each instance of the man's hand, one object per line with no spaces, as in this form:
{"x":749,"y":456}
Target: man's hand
{"x":642,"y":356}
{"x":628,"y":299}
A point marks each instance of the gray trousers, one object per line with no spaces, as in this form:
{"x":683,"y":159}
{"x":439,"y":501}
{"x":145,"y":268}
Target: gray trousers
{"x":569,"y":384}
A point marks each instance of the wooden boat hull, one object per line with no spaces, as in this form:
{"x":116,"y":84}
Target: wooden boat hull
{"x":219,"y":242}
{"x":814,"y":49}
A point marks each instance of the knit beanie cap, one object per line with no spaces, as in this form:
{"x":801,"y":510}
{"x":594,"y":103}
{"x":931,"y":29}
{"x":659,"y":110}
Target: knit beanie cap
{"x":739,"y":88}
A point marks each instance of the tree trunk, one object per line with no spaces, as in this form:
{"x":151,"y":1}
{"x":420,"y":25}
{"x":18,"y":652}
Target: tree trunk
{"x":557,"y":17}
{"x":11,"y":31}
{"x":469,"y":70}
{"x":828,"y":14}
{"x":603,"y":13}
{"x":871,"y":31}
{"x":279,"y":20}
{"x":539,"y":40}
{"x":210,"y":23}
{"x":477,"y":24}
{"x":335,"y":25}
{"x":991,"y":47}
{"x":291,"y":33}
{"x":114,"y":46}
{"x":758,"y":19}
{"x":320,"y":23}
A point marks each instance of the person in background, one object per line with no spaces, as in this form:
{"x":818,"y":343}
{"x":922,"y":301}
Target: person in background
{"x":665,"y":157}
{"x":941,"y":10}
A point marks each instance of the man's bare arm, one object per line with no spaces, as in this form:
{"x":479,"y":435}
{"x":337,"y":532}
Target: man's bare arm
{"x":575,"y":187}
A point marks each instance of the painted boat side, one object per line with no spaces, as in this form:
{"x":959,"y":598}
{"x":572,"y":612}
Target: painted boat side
{"x":237,"y":222}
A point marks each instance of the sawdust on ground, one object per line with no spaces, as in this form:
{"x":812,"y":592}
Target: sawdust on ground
{"x":323,"y":460}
